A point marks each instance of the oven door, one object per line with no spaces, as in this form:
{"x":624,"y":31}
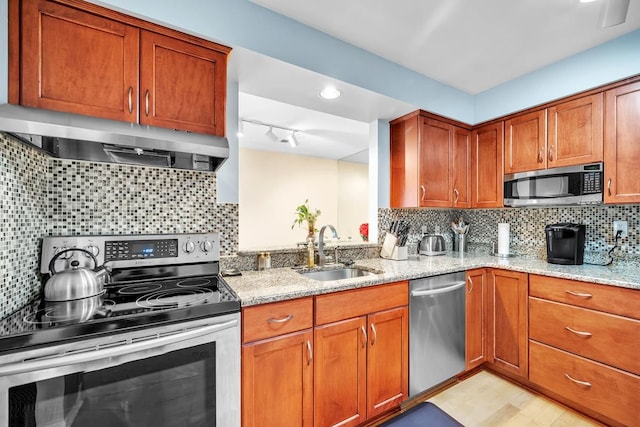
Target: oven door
{"x":185,"y":374}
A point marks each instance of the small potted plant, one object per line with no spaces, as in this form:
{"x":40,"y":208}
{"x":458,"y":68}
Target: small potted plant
{"x":305,"y":213}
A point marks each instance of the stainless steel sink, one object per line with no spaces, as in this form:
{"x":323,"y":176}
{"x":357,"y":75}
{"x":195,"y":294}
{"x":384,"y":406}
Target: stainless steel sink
{"x":337,"y":274}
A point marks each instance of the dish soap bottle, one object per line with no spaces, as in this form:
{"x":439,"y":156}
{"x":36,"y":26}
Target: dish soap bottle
{"x":310,"y":254}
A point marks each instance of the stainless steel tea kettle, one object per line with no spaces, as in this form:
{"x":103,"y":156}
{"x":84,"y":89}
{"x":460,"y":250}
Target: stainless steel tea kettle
{"x":77,"y":282}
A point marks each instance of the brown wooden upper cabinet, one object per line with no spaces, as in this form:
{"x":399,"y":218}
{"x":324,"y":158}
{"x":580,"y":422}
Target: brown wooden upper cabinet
{"x":569,"y":133}
{"x":486,"y":166}
{"x":622,"y":144}
{"x":80,"y":58}
{"x":430,"y":163}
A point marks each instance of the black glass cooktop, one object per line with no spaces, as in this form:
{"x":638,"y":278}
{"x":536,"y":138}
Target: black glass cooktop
{"x":121,"y":307}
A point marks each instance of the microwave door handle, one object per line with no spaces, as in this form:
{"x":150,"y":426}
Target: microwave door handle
{"x":48,"y":362}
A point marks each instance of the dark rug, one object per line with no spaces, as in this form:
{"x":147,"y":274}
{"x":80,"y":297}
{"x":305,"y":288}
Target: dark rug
{"x":425,"y":414}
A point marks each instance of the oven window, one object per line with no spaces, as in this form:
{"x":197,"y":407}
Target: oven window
{"x":174,"y":389}
{"x":552,"y":186}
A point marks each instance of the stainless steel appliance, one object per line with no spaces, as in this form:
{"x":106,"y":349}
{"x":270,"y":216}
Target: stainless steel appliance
{"x":432,"y":245}
{"x":565,"y":243}
{"x":572,"y":185}
{"x":73,"y":136}
{"x":436,"y":330}
{"x":161,"y":345}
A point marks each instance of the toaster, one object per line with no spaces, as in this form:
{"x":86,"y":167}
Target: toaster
{"x":432,"y":244}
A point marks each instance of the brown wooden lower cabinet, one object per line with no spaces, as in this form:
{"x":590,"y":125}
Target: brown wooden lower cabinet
{"x":508,"y":321}
{"x":277,"y":381}
{"x":476,"y":300}
{"x":609,"y":391}
{"x":351,"y":367}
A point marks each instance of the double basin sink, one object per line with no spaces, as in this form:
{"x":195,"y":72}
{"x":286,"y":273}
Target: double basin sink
{"x":337,"y":273}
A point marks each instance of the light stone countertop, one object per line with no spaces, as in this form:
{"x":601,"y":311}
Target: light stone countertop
{"x":279,"y":284}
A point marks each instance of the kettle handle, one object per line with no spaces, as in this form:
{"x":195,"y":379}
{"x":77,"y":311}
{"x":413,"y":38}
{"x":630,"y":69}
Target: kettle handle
{"x":52,"y":268}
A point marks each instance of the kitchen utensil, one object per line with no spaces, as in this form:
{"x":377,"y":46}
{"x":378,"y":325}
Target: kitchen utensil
{"x":77,"y":282}
{"x":432,"y":245}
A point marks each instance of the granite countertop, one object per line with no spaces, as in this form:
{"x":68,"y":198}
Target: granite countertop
{"x":278,"y":284}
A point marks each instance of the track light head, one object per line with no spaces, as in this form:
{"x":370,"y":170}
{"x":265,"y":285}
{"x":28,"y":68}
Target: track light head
{"x":272,"y":136}
{"x":293,"y":141}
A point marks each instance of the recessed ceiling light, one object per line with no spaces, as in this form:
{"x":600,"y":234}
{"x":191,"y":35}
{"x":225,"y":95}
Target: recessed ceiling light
{"x":587,"y":1}
{"x":330,"y":92}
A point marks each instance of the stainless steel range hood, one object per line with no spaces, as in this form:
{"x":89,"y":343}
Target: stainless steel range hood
{"x":72,"y":136}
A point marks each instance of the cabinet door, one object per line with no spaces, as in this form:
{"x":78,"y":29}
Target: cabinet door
{"x":182,"y":85}
{"x":486,"y":166}
{"x":76,"y":62}
{"x":404,"y":163}
{"x":508,"y":319}
{"x":387,"y":368}
{"x":525,"y":142}
{"x":475,"y":319}
{"x":435,"y":163}
{"x":575,"y":132}
{"x":277,"y":381}
{"x":340,"y":371}
{"x":621,"y":147}
{"x":461,"y":168}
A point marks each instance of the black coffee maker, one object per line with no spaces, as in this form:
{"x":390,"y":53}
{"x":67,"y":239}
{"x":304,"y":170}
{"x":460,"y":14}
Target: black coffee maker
{"x":565,"y":243}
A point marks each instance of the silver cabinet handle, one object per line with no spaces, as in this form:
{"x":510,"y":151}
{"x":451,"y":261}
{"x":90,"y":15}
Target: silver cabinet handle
{"x":551,"y":153}
{"x":130,"y":99}
{"x":146,"y":102}
{"x":453,"y":287}
{"x":366,"y":338}
{"x":309,"y":353}
{"x":424,"y":192}
{"x":471,"y":283}
{"x":46,"y":362}
{"x":609,"y":186}
{"x":540,"y":158}
{"x":579,"y":294}
{"x":456,"y":194}
{"x":579,"y":333}
{"x":283,"y":320}
{"x":582,"y":383}
{"x":375,"y":334}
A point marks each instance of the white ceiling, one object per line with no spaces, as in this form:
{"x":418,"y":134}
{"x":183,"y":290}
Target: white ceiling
{"x":470,"y":45}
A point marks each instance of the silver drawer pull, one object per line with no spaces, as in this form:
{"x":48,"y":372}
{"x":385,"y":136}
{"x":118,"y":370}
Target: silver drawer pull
{"x":582,"y":383}
{"x":579,"y":294}
{"x":374,"y":338}
{"x":283,"y":320}
{"x":579,"y":333}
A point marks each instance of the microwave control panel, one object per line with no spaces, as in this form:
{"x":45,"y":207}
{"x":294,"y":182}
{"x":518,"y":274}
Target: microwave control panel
{"x":592,"y":182}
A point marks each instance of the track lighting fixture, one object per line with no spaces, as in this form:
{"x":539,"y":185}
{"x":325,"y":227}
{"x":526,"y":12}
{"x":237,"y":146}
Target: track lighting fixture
{"x":293,"y":141}
{"x":270,"y":134}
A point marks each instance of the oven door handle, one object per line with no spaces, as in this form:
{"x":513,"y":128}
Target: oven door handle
{"x":85,"y":355}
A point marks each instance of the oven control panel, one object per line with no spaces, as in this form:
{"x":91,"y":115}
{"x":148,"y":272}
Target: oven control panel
{"x":124,"y":251}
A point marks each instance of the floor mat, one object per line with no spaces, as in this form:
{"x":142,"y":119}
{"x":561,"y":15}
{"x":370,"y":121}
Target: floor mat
{"x":425,"y":414}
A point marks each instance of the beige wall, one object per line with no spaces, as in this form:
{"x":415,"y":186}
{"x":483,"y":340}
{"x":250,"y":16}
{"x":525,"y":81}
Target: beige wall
{"x":353,"y":198}
{"x":272,"y":185}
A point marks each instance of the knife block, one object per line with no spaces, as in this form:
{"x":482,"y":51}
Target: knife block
{"x":390,"y":249}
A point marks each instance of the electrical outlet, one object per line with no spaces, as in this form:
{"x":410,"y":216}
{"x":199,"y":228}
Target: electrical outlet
{"x":620,"y":225}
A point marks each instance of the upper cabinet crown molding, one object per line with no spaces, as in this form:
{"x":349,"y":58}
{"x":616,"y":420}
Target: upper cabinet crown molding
{"x":77,"y":57}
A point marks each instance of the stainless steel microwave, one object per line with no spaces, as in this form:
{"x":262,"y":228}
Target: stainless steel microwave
{"x":572,"y":185}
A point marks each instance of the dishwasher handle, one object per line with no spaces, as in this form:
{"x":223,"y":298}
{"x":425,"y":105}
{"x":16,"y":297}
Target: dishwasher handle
{"x":452,"y":287}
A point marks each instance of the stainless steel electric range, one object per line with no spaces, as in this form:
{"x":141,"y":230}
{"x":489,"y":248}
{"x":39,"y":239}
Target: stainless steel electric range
{"x":160,"y":346}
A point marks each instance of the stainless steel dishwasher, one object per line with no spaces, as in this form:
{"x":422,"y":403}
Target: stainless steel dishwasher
{"x":436,"y":330}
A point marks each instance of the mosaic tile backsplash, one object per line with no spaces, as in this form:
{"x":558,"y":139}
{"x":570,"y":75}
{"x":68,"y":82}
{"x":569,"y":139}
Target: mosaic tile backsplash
{"x":527,"y":227}
{"x":47,"y":196}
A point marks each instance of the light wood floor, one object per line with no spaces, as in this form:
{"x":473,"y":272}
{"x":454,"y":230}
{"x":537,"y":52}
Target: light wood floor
{"x":485,"y":400}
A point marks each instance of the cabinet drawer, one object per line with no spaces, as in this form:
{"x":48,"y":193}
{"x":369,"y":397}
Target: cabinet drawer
{"x":359,"y":302}
{"x":600,"y":336}
{"x":611,"y":392}
{"x":269,"y":320}
{"x":611,"y":299}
